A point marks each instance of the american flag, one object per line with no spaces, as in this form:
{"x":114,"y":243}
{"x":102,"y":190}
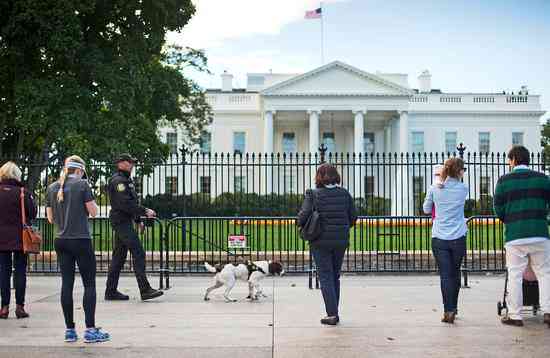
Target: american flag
{"x":314,"y":14}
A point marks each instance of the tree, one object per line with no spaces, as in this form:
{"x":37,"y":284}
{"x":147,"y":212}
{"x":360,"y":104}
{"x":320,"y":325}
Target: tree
{"x":94,"y":78}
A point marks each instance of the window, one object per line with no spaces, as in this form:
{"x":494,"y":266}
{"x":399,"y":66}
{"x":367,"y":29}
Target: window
{"x":369,"y":186}
{"x":517,"y":138}
{"x":329,"y":142}
{"x":206,"y":143}
{"x":484,"y":142}
{"x":485,"y":200}
{"x":417,"y":142}
{"x":368,"y":142}
{"x":289,"y":143}
{"x":484,"y":186}
{"x":450,"y":142}
{"x":239,"y":142}
{"x":239,"y":184}
{"x":418,"y":194}
{"x":171,"y":185}
{"x":205,"y":185}
{"x":172,"y":141}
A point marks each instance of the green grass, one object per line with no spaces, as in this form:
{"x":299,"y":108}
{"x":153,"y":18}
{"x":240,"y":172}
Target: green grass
{"x":211,"y":235}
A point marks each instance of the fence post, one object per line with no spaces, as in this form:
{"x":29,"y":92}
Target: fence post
{"x":161,"y":249}
{"x":461,"y":149}
{"x":322,"y":149}
{"x":184,"y":152}
{"x":322,"y":153}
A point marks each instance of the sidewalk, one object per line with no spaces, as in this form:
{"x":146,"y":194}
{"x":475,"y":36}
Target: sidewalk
{"x":381,"y":316}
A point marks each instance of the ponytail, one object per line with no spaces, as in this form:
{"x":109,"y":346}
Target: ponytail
{"x":62,"y":178}
{"x":452,"y":169}
{"x":72,"y":163}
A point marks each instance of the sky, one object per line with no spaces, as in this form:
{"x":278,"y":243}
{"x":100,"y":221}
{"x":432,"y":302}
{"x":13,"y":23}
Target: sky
{"x":467,"y":45}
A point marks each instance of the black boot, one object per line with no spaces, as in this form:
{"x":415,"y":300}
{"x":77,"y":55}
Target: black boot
{"x":150,"y":293}
{"x":115,"y":296}
{"x":330,"y":320}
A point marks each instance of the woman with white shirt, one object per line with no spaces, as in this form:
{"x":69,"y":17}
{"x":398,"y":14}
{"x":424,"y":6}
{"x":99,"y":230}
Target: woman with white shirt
{"x":449,"y":231}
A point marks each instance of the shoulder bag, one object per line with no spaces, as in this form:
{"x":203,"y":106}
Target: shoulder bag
{"x":312,"y":228}
{"x":31,"y":239}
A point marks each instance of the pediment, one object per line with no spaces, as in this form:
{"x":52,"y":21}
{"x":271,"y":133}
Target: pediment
{"x":337,"y":79}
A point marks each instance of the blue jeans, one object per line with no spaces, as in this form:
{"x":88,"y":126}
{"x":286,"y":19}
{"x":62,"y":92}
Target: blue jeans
{"x":7,"y":260}
{"x":329,"y":264}
{"x":449,"y":255}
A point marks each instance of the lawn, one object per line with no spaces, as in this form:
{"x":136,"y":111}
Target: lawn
{"x":200,"y":234}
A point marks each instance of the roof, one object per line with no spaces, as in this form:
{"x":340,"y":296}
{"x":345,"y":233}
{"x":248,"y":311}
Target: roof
{"x":399,"y":89}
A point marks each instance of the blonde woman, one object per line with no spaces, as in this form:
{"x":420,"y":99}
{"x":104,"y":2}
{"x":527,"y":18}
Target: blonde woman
{"x":11,"y":245}
{"x":69,"y":203}
{"x":449,"y":231}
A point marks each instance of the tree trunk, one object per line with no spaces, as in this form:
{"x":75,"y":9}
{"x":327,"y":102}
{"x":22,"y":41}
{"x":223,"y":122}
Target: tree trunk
{"x":36,"y":167}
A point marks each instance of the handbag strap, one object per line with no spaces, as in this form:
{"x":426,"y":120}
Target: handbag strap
{"x":23,"y":213}
{"x":313,"y":197}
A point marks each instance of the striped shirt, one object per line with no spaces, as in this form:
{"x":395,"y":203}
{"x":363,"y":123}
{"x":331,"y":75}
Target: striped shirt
{"x":522,"y":200}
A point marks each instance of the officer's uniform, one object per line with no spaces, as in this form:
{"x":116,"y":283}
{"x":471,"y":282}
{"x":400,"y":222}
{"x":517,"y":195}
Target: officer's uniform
{"x":125,"y":210}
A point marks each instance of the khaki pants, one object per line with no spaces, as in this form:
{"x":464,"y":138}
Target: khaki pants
{"x":517,"y":259}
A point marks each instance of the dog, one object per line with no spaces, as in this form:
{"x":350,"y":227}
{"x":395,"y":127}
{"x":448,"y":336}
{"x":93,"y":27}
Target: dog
{"x":252,"y":272}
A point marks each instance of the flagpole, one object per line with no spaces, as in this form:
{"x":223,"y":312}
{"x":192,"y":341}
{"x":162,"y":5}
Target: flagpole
{"x":322,"y":35}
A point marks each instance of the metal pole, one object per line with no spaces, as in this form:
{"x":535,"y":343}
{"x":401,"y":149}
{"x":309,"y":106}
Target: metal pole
{"x":322,"y":36}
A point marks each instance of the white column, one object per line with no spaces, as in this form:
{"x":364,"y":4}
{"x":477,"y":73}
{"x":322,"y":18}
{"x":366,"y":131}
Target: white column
{"x":313,"y":131}
{"x":268,"y":149}
{"x":268,"y":132}
{"x":358,"y":131}
{"x":403,"y":131}
{"x":387,"y":138}
{"x":358,"y":149}
{"x":403,"y":196}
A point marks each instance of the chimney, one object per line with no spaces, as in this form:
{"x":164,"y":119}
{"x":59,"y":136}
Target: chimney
{"x":227,"y":82}
{"x":425,"y":82}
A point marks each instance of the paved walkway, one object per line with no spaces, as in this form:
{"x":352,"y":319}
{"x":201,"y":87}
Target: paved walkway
{"x":382,"y":316}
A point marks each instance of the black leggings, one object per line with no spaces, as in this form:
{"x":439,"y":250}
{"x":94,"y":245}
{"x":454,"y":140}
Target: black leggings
{"x":80,"y":251}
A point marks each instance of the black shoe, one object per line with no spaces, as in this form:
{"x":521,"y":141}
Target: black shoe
{"x":150,"y":293}
{"x":331,"y":321}
{"x":512,"y":322}
{"x":116,"y":296}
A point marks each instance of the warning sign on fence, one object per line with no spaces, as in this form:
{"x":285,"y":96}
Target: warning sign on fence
{"x":236,"y":242}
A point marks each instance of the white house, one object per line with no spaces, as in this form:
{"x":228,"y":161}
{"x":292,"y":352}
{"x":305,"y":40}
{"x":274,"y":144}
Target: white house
{"x":352,"y":111}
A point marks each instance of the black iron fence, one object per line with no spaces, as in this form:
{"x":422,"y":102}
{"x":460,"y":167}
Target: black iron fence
{"x":203,"y":184}
{"x":382,"y":184}
{"x":204,"y":198}
{"x":377,"y":244}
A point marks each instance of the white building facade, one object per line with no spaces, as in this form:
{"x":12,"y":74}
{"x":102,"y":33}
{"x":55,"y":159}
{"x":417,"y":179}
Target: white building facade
{"x":353,"y":111}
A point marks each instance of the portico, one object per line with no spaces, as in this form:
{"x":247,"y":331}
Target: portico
{"x":340,"y":106}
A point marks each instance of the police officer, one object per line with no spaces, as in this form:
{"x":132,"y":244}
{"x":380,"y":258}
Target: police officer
{"x":125,"y":210}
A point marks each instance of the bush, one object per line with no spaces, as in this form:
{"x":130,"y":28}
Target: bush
{"x":226,"y":204}
{"x":483,"y":206}
{"x":373,"y":206}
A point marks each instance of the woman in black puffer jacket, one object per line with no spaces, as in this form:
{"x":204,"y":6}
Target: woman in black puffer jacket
{"x":338,"y":214}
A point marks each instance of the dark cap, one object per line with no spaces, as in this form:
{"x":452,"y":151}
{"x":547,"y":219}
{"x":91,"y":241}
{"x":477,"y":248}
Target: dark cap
{"x":125,"y":158}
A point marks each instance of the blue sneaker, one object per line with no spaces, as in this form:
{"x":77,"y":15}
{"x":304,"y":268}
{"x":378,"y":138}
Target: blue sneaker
{"x":95,"y":335}
{"x":70,"y":335}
